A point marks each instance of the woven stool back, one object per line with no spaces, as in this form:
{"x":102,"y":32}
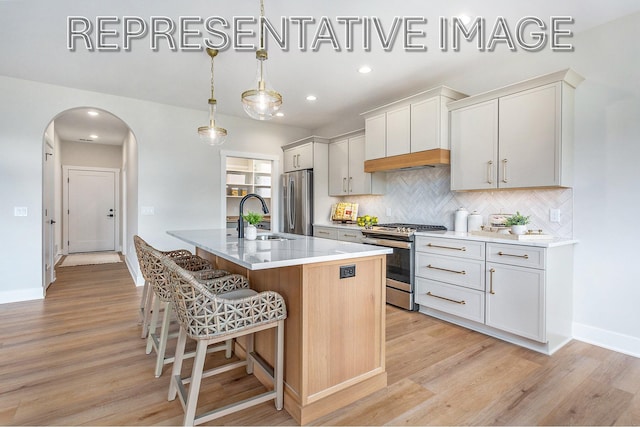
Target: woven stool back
{"x":205,"y":315}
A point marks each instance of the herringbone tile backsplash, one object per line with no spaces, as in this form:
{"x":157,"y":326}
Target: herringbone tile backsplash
{"x":423,"y":196}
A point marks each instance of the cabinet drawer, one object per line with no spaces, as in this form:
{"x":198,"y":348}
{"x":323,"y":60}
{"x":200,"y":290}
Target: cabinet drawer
{"x":350,"y":235}
{"x":458,"y":271}
{"x":452,"y":247}
{"x":325,"y":232}
{"x":452,"y":299}
{"x":525,"y":256}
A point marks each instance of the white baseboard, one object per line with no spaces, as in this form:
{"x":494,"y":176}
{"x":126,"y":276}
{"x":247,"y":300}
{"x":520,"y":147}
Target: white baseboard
{"x":135,"y":275}
{"x":21,"y":295}
{"x":610,"y":340}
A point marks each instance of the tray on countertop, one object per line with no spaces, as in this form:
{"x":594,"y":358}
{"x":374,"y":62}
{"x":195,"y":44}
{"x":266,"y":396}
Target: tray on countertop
{"x":510,"y":236}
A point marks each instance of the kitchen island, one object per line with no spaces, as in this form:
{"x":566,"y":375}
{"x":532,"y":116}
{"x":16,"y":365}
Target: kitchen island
{"x":335,"y":329}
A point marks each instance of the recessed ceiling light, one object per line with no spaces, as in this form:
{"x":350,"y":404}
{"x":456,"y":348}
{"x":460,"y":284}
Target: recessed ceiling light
{"x":364,"y":69}
{"x":311,"y":98}
{"x":464,"y":18}
{"x":94,"y":136}
{"x":92,"y":113}
{"x":280,"y":114}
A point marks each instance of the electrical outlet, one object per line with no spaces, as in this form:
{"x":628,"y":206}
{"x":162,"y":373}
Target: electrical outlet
{"x":20,"y":211}
{"x":554,"y":215}
{"x":388,"y":211}
{"x":347,"y":271}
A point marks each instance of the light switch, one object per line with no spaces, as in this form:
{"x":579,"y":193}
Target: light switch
{"x":554,"y":215}
{"x":148,"y":210}
{"x":20,"y":211}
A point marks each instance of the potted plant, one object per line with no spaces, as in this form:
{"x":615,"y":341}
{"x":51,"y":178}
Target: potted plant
{"x":252,"y":218}
{"x":518,"y":223}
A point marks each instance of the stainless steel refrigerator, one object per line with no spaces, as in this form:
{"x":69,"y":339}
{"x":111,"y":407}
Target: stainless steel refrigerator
{"x":298,"y":202}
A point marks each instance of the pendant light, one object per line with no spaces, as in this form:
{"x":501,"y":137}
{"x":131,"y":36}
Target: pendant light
{"x":261,"y":103}
{"x":212,"y":134}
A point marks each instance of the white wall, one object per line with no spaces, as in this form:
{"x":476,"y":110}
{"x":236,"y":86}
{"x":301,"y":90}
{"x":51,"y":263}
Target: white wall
{"x":607,"y":149}
{"x":177,"y":175}
{"x":92,"y":155}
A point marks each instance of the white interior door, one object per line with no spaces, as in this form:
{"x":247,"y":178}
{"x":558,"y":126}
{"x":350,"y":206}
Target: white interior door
{"x":49,"y":216}
{"x":91,"y":210}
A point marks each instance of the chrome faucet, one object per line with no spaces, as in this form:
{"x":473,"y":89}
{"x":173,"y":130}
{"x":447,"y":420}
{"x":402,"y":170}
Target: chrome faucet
{"x":265,"y":210}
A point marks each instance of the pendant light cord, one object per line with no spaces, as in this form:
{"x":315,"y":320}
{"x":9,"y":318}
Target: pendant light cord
{"x":212,"y":97}
{"x":261,"y":24}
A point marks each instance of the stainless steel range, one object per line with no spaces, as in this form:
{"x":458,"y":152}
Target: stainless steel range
{"x":400,"y":269}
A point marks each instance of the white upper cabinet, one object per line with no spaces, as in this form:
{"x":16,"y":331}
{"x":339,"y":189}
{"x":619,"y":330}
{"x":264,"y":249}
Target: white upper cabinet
{"x":375,"y":129}
{"x":515,"y":137}
{"x":530,"y":140}
{"x":410,"y":125}
{"x":398,"y":138}
{"x":346,"y":169}
{"x":297,"y":158}
{"x":474,"y":140}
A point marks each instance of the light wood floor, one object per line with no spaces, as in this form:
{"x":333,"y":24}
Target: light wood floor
{"x":76,"y":359}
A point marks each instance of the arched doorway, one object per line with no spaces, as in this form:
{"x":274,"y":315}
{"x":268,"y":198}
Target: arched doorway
{"x":86,"y":138}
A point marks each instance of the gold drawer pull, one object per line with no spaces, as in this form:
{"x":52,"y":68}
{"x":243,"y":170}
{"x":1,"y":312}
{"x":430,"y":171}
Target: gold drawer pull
{"x":446,"y":247}
{"x":446,"y":299}
{"x":493,"y":270}
{"x":446,"y":269}
{"x":349,"y":235}
{"x":525,"y":256}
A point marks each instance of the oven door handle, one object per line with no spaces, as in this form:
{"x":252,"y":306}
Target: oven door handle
{"x":387,"y":242}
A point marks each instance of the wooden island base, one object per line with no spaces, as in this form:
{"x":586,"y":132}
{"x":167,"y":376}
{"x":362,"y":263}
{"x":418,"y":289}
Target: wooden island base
{"x":334,"y":332}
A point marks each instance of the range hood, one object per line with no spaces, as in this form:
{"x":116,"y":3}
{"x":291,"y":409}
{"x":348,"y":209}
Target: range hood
{"x":434,"y":157}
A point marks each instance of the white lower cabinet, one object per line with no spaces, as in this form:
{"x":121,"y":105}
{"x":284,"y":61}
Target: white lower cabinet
{"x":519,"y":293}
{"x":515,"y":300}
{"x":457,"y":300}
{"x":336,"y":233}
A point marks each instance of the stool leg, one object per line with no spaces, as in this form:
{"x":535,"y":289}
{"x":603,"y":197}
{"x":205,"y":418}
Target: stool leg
{"x":176,"y":371}
{"x":194,"y":388}
{"x":228,"y":352}
{"x":148,"y":296}
{"x":154,"y":322}
{"x":164,"y":336}
{"x":250,"y":347}
{"x":279,"y":365}
{"x":143,"y":299}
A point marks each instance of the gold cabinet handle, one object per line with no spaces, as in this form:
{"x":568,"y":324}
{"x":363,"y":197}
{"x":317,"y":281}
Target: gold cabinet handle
{"x":446,"y":299}
{"x":493,"y":270}
{"x":525,"y":256}
{"x":490,"y":172}
{"x":323,"y":232}
{"x":504,"y":170}
{"x":350,"y":184}
{"x":344,"y":185}
{"x":446,"y":269}
{"x":447,"y":247}
{"x":349,"y":235}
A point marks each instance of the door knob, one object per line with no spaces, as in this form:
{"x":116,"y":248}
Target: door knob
{"x":110,"y":215}
{"x":52,"y":222}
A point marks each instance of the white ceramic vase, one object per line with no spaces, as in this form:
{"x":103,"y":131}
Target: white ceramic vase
{"x":250,"y":232}
{"x":518,"y":229}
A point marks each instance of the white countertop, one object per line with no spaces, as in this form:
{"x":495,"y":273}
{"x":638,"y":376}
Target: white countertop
{"x":263,"y":254}
{"x":468,"y":236}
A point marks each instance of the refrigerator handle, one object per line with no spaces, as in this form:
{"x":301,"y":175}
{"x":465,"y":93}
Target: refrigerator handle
{"x":292,"y":204}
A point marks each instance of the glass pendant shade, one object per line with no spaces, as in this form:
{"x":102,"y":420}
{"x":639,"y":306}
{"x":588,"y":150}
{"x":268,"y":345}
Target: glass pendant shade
{"x":212,"y":135}
{"x":261,"y":103}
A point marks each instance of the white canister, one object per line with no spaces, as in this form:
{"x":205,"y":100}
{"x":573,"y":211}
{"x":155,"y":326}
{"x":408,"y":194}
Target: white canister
{"x":460,"y":220}
{"x":474,"y":221}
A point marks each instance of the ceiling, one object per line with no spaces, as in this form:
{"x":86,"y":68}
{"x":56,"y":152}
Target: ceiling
{"x":33,"y":39}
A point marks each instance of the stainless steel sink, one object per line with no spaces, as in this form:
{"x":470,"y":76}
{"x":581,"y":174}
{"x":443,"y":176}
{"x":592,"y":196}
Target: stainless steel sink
{"x":272,"y":237}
